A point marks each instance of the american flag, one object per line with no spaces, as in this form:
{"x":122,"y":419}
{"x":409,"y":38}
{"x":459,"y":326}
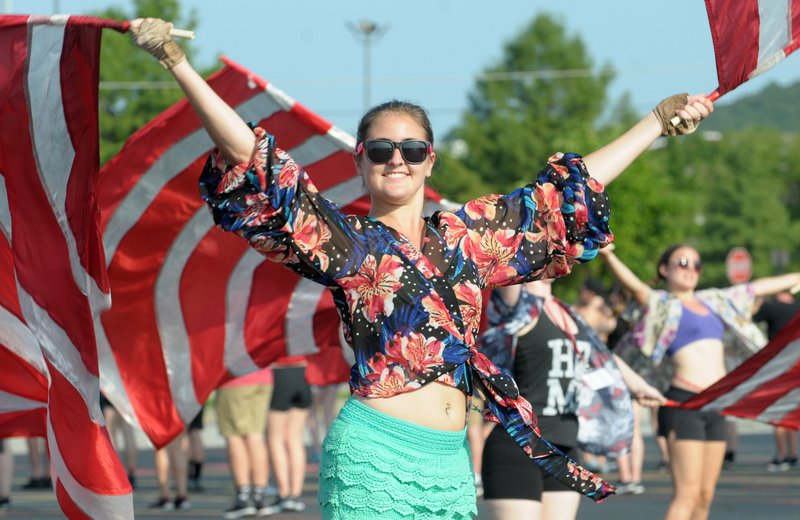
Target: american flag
{"x":54,"y":278}
{"x":751,"y":36}
{"x":193,"y":305}
{"x":765,"y":388}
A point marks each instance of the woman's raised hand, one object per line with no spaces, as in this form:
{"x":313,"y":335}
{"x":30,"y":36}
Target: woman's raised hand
{"x":681,"y":114}
{"x":153,"y":35}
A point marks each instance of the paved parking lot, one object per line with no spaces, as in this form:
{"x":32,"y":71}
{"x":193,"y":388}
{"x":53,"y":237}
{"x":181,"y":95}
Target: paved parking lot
{"x":746,"y":491}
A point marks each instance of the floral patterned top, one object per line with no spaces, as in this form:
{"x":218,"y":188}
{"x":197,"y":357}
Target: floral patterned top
{"x":412,"y":315}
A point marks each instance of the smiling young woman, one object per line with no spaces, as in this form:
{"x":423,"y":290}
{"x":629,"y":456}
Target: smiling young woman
{"x":408,"y":287}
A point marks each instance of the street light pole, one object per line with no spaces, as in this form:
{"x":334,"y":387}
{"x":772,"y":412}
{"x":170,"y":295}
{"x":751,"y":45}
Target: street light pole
{"x":367,"y":32}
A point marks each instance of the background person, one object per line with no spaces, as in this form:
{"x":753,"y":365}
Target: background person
{"x":119,"y":427}
{"x":171,"y":460}
{"x":288,"y":412}
{"x":242,"y":419}
{"x":685,"y":327}
{"x":195,"y":451}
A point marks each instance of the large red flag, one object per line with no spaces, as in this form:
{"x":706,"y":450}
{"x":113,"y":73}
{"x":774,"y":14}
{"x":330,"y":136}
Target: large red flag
{"x":764,"y":388}
{"x":23,"y":385}
{"x":751,"y":36}
{"x":51,"y":245}
{"x":193,"y":305}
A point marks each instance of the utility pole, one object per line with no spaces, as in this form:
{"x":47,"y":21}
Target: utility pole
{"x":367,"y":32}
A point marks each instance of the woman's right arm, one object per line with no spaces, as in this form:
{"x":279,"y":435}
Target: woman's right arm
{"x":640,"y":290}
{"x":252,"y":187}
{"x":231,"y":135}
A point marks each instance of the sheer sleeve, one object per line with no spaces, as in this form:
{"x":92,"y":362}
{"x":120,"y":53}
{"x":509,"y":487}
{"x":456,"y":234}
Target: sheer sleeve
{"x":538,"y":231}
{"x":272,"y":203}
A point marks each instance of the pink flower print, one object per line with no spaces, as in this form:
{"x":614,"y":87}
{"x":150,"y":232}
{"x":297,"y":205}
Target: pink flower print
{"x":274,"y":250}
{"x":595,"y":185}
{"x":411,"y":252}
{"x":288,"y":175}
{"x":482,"y":208}
{"x":391,"y":383}
{"x":455,"y":229}
{"x":492,"y":251}
{"x":258,"y":211}
{"x":311,"y":234}
{"x":469,"y":304}
{"x":438,"y":315}
{"x":374,"y":286}
{"x":416,"y":352}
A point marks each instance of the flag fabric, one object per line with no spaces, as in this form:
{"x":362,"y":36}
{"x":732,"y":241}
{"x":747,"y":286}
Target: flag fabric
{"x":54,"y":277}
{"x":765,"y":388}
{"x":751,"y":36}
{"x":193,"y":305}
{"x":23,"y":385}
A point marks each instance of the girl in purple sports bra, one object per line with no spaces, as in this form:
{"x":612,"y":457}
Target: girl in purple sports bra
{"x":686,"y":327}
{"x":696,"y":326}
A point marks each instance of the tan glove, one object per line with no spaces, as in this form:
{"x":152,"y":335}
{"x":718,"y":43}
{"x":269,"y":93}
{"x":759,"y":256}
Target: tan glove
{"x":153,"y":36}
{"x":667,"y":109}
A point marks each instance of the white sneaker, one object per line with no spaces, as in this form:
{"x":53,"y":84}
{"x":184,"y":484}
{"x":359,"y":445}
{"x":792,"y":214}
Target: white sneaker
{"x":778,"y":465}
{"x":271,"y":509}
{"x":293,"y":504}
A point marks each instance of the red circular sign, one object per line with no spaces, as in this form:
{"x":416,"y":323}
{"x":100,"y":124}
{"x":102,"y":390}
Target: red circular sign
{"x":738,"y":265}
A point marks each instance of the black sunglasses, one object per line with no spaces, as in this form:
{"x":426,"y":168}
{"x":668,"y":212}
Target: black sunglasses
{"x":380,"y":151}
{"x":685,"y":263}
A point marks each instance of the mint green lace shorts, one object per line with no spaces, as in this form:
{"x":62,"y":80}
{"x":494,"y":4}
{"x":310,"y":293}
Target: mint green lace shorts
{"x":375,"y":466}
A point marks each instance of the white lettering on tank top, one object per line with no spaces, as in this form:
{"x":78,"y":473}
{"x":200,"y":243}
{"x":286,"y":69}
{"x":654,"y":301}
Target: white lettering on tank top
{"x":562,"y":366}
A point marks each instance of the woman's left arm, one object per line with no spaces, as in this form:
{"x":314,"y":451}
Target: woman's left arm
{"x":608,"y":162}
{"x":775,"y":284}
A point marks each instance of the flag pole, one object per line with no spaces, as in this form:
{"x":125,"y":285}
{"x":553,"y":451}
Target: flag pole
{"x":712,"y":97}
{"x":182,"y":33}
{"x":177,"y":33}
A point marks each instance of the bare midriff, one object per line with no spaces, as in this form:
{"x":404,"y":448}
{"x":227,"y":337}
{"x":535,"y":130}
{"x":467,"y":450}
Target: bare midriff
{"x":698,"y":365}
{"x":434,"y":405}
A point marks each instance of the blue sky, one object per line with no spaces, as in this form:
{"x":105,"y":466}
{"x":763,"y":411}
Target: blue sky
{"x":432,"y":50}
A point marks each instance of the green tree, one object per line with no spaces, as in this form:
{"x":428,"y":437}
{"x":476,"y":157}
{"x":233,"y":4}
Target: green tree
{"x":134,"y":88}
{"x":744,"y":202}
{"x":541,"y":97}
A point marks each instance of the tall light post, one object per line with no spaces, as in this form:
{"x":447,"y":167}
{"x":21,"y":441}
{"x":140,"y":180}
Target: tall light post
{"x":367,"y":32}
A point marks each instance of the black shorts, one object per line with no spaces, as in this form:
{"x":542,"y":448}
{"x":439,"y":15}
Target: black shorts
{"x":197,"y":422}
{"x":509,"y":473}
{"x":290,"y":389}
{"x":689,"y":424}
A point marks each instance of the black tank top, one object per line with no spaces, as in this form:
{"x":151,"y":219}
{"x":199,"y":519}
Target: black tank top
{"x":544,"y":368}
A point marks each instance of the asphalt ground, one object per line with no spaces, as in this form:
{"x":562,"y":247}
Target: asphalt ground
{"x":746,"y":490}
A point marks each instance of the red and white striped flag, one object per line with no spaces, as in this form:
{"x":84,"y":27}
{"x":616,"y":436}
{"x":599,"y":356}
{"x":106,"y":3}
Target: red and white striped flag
{"x":764,"y":388}
{"x":751,"y":36}
{"x":48,"y":172}
{"x":23,"y":385}
{"x":193,"y":305}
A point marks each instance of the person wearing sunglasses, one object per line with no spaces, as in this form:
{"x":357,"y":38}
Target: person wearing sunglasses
{"x":408,"y":287}
{"x":686,"y":328}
